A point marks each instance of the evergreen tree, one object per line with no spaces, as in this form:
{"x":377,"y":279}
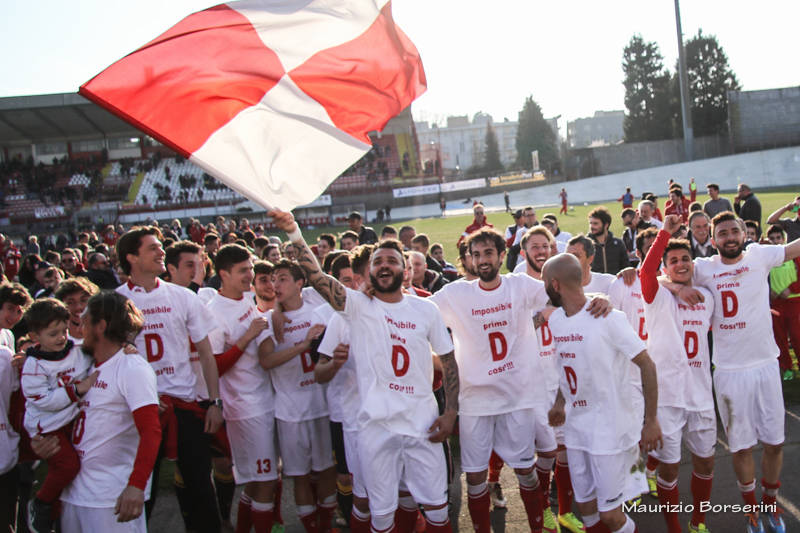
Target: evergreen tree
{"x":491,"y":160}
{"x":710,"y":79}
{"x":534,"y":133}
{"x":648,"y":93}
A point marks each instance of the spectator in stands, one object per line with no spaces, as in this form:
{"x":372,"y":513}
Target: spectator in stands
{"x":258,"y":246}
{"x":747,"y":205}
{"x":716,"y":204}
{"x":406,"y":234}
{"x":610,"y":254}
{"x":790,"y":225}
{"x":677,"y":204}
{"x":421,"y":276}
{"x":388,"y":232}
{"x":479,"y":221}
{"x":10,"y":257}
{"x":196,"y":231}
{"x":27,"y":270}
{"x":176,"y":228}
{"x":420,"y":243}
{"x":100,"y":273}
{"x":366,"y":235}
{"x":348,"y":240}
{"x":325,"y":244}
{"x":700,"y":235}
{"x":626,"y":199}
{"x":449,"y":271}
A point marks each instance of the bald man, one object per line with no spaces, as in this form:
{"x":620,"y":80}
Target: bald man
{"x":595,"y":402}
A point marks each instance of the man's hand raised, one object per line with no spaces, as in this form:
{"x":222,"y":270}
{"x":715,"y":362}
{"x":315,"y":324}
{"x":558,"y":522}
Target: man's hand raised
{"x":672,"y":223}
{"x":283,"y":220}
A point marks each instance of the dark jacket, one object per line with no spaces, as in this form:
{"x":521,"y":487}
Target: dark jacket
{"x":433,"y":281}
{"x":367,"y":235}
{"x":696,"y":252}
{"x":749,"y":209}
{"x":609,"y":257}
{"x":105,"y":279}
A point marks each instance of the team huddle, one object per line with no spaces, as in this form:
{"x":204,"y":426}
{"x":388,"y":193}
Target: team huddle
{"x":344,"y":376}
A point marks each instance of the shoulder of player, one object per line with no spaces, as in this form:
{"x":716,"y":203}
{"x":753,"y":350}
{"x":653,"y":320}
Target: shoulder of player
{"x":419,"y":303}
{"x":131,"y":364}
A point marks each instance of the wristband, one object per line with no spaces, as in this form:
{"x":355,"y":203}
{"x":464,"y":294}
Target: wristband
{"x":296,"y":235}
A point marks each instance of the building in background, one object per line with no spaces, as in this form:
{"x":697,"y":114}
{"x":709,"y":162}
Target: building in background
{"x":603,"y":129}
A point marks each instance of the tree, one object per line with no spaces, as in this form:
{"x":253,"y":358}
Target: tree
{"x":491,"y":160}
{"x":534,"y":133}
{"x":647,"y":93}
{"x":710,"y":78}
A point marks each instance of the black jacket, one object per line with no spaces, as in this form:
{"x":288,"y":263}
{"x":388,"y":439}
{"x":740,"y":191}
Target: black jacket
{"x":609,"y":257}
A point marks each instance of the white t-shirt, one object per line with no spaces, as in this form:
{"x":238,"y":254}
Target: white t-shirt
{"x":742,"y":323}
{"x":493,"y":335}
{"x":594,"y":357}
{"x":563,"y":236}
{"x":7,"y":339}
{"x":599,"y":283}
{"x":245,"y":388}
{"x":9,"y":439}
{"x":628,"y":299}
{"x":105,"y":435}
{"x":173,"y":316}
{"x":298,"y":396}
{"x":342,"y":391}
{"x":678,"y":345}
{"x":654,"y":222}
{"x":392,"y":343}
{"x":48,"y":407}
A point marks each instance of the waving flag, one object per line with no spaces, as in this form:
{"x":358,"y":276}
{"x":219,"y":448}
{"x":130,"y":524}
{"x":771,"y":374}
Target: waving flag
{"x":272,"y":97}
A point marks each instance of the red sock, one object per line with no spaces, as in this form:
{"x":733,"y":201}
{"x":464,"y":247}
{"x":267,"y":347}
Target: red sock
{"x":495,"y":466}
{"x":748,"y":491}
{"x":262,"y":520}
{"x":701,"y":492}
{"x":325,"y":516}
{"x":669,"y":496}
{"x":277,"y":502}
{"x":769,"y":493}
{"x":310,"y":522}
{"x":544,"y":481}
{"x":430,"y":527}
{"x":358,"y":524}
{"x":599,"y":527}
{"x":532,"y":498}
{"x":406,"y":520}
{"x":244,"y":521}
{"x":652,"y":463}
{"x":563,"y":488}
{"x":479,"y":512}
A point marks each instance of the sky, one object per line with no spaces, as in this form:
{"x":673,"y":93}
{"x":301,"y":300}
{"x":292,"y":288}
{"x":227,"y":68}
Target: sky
{"x":478,"y":55}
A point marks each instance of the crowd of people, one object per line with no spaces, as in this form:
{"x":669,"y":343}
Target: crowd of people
{"x":348,"y":364}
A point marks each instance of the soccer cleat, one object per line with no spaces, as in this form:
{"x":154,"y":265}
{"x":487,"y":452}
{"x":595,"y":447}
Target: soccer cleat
{"x":774,"y":522}
{"x":278,"y":528}
{"x":652,"y":484}
{"x":496,"y":494}
{"x":699,"y":528}
{"x":549,"y":522}
{"x":788,"y":375}
{"x":753,"y":524}
{"x":570,"y":522}
{"x":39,"y":514}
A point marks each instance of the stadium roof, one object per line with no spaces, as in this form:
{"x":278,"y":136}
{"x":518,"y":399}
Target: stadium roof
{"x":56,"y":117}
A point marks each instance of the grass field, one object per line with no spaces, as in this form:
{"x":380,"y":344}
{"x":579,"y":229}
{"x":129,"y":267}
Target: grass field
{"x":447,"y":230}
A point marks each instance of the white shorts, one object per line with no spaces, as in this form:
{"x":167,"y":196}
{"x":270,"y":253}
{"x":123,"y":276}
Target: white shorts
{"x":508,"y":434}
{"x":80,"y":519}
{"x":305,"y":446}
{"x":353,"y":462}
{"x":388,"y":458}
{"x":750,"y":404}
{"x":697,"y":428}
{"x":607,"y":478}
{"x":252,"y":443}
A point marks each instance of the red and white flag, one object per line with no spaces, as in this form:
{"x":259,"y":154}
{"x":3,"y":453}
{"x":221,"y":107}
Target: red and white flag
{"x":272,"y":97}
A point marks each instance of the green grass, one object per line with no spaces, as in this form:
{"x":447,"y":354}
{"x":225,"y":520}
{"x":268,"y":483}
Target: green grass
{"x":447,"y":230}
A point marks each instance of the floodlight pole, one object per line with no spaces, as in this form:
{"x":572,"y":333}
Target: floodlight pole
{"x":688,"y":133}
